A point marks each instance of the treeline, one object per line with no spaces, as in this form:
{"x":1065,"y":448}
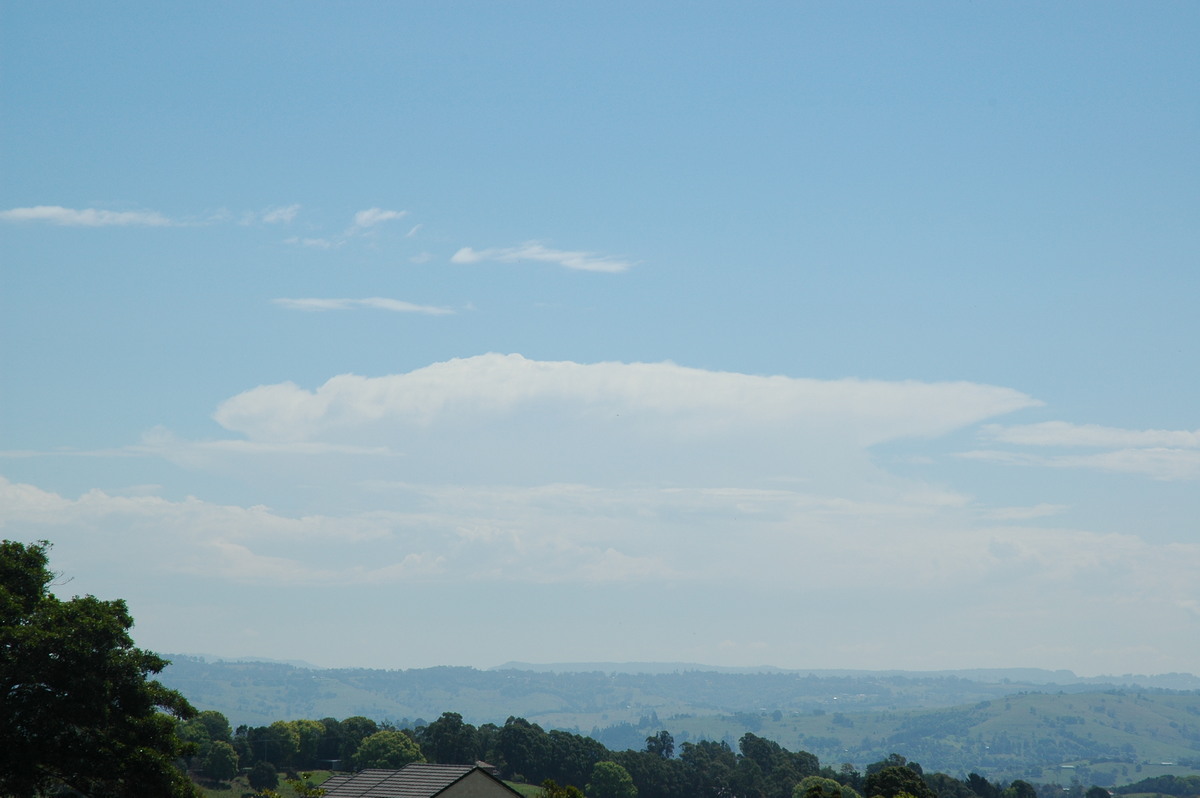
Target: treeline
{"x":524,"y":752}
{"x":1182,"y":786}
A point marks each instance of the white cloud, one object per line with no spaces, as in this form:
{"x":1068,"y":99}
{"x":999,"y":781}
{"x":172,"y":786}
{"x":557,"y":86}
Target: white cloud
{"x":613,"y":400}
{"x":1062,"y":433}
{"x":282,"y":215}
{"x":85,"y":217}
{"x":535,"y":251}
{"x":1157,"y":463}
{"x":316,"y":243}
{"x":373,"y":216}
{"x":380,"y":303}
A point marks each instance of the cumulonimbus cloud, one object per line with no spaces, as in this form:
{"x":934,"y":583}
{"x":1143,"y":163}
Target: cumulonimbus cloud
{"x":680,"y":401}
{"x":378,"y":303}
{"x":85,"y":217}
{"x":535,"y":251}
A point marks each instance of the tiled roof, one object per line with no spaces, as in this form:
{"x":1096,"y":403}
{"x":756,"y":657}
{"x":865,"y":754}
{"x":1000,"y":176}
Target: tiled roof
{"x":417,"y":780}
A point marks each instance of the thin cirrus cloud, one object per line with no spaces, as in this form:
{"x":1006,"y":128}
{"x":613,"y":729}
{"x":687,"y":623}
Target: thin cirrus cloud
{"x":364,"y":221}
{"x":84,"y":217}
{"x":1163,"y":454}
{"x":1168,"y":465}
{"x":283,"y":215}
{"x":1063,"y":433}
{"x":378,"y":303}
{"x":535,"y":251}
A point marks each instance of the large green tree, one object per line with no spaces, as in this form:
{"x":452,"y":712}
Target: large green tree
{"x":387,"y":749}
{"x":449,"y":740}
{"x":610,"y":780}
{"x":77,"y":707}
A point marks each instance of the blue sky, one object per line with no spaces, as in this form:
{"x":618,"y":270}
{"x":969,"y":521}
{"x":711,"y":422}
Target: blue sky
{"x":812,"y":335}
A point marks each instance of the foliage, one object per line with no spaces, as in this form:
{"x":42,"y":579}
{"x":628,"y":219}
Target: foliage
{"x":387,"y":749}
{"x":661,"y":744}
{"x":77,"y":706}
{"x":1164,"y":785}
{"x":264,"y":776}
{"x":550,"y":789}
{"x":610,"y":780}
{"x":221,"y":761}
{"x":821,"y":787}
{"x":1009,"y":724}
{"x":304,"y":787}
{"x":449,"y":740}
{"x":896,"y":780}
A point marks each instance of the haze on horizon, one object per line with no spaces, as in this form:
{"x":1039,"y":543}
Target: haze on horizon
{"x":804,"y":335}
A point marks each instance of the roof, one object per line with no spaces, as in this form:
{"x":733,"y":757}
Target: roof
{"x":418,"y":780}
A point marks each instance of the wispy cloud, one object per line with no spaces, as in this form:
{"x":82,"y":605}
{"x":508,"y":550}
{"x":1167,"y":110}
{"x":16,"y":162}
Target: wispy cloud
{"x":315,"y":243}
{"x":85,"y":217}
{"x":379,"y":303}
{"x":535,"y":251}
{"x":373,"y":216}
{"x":1162,"y":454}
{"x":1062,"y":433}
{"x":363,"y":223}
{"x":283,"y":215}
{"x":1155,"y":462}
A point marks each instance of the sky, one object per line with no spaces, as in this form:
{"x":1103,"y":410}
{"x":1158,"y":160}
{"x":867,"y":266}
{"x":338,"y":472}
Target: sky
{"x":814,"y":335}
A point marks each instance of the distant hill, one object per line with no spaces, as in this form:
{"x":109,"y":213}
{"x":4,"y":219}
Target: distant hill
{"x":1031,"y":676}
{"x":1022,"y":723}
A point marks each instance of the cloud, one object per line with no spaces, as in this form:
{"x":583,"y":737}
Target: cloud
{"x":623,"y":401}
{"x":1062,"y":433}
{"x":379,"y":303}
{"x":283,"y":215}
{"x":1168,"y":465}
{"x":316,"y":243}
{"x":532,"y":250}
{"x":1168,"y":455}
{"x":86,"y":217}
{"x":373,"y":216}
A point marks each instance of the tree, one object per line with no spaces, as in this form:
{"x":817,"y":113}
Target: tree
{"x":610,"y":780}
{"x":221,"y":762}
{"x":820,"y":787}
{"x":263,"y":776}
{"x":308,"y":739}
{"x":280,"y":743}
{"x":449,"y":740}
{"x":1021,"y":789}
{"x":387,"y":749}
{"x":524,"y":748}
{"x":896,"y":780}
{"x":77,"y":707}
{"x":550,"y":789}
{"x":661,"y":744}
{"x":354,"y":730}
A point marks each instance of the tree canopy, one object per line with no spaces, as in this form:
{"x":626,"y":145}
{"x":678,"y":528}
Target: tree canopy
{"x":387,"y":749}
{"x":77,"y":707}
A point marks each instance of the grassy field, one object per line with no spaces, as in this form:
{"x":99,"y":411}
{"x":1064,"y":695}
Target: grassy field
{"x":239,"y":786}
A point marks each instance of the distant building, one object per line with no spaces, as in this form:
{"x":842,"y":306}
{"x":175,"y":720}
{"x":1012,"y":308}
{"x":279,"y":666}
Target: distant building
{"x":419,"y":780}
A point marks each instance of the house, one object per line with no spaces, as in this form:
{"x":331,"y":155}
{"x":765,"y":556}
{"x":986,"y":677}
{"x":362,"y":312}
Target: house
{"x":419,"y":780}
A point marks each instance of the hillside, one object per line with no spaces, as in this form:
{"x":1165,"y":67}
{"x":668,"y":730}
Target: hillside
{"x":999,"y":727}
